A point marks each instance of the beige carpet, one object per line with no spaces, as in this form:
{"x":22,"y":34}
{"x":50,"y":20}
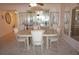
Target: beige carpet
{"x":9,"y":46}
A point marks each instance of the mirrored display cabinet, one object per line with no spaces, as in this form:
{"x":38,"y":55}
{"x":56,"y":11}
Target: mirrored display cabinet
{"x":75,"y":24}
{"x":67,"y":18}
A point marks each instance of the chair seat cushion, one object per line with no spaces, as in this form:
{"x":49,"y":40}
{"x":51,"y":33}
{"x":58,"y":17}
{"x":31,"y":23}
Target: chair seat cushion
{"x":53,"y":39}
{"x":37,"y":43}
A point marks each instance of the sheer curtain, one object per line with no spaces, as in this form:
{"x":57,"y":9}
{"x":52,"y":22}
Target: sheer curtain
{"x":22,"y":20}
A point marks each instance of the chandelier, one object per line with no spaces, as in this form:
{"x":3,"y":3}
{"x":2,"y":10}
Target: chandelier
{"x":33,"y":4}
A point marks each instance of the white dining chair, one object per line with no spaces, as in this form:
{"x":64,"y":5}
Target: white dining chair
{"x":54,"y":39}
{"x":19,"y":38}
{"x":37,"y":38}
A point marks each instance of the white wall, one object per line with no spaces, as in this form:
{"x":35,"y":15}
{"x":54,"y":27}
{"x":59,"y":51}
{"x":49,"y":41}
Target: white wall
{"x":4,"y":27}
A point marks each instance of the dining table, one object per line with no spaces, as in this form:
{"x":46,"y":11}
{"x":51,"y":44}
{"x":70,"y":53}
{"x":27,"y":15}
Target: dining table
{"x":47,"y":33}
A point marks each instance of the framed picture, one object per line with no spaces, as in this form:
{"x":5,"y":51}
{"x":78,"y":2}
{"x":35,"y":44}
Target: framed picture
{"x":8,"y":18}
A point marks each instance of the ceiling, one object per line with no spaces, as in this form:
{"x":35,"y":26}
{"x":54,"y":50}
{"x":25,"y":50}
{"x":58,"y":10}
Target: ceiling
{"x":25,"y":6}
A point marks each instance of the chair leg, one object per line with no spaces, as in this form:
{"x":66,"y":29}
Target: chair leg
{"x":42,"y":49}
{"x":57,"y":46}
{"x":25,"y":43}
{"x":50,"y":44}
{"x":28,"y":47}
{"x":17,"y":43}
{"x":34,"y":49}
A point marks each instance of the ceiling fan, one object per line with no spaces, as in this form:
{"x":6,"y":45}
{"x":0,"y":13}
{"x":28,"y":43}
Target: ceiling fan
{"x":35,"y":4}
{"x":41,"y":4}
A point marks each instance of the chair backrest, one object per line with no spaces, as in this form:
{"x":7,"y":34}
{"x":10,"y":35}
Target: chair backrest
{"x":56,"y":37}
{"x":37,"y":36}
{"x":58,"y":32}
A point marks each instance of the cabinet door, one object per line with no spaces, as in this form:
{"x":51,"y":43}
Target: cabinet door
{"x":67,"y":18}
{"x":75,"y":23}
{"x":54,"y":19}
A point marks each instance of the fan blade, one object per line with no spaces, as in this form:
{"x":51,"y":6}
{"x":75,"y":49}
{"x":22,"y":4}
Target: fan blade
{"x":40,"y":4}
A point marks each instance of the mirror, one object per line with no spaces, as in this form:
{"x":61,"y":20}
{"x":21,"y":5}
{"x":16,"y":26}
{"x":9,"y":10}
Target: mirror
{"x":8,"y":18}
{"x":39,"y":17}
